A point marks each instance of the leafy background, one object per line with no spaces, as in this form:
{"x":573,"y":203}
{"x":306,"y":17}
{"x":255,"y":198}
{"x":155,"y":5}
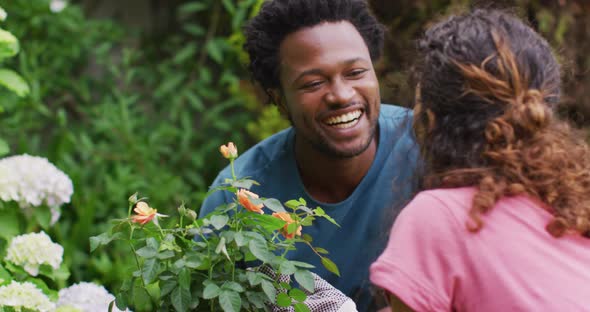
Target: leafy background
{"x":137,"y":95}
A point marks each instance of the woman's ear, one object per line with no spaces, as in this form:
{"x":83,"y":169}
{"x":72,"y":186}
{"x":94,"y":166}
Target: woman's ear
{"x":431,"y":119}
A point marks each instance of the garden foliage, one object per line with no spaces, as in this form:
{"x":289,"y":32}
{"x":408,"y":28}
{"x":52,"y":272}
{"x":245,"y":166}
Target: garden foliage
{"x":119,"y":112}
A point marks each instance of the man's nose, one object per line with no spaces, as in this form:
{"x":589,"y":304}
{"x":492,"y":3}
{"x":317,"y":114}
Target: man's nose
{"x":340,"y":93}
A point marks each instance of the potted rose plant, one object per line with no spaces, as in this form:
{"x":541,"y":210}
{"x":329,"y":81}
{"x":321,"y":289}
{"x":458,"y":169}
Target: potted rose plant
{"x":233,"y":259}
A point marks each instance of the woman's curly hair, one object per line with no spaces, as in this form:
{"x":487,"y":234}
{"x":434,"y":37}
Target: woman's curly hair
{"x":488,"y":89}
{"x":279,"y":18}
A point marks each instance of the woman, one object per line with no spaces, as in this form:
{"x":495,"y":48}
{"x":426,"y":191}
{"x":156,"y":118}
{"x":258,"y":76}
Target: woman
{"x":503,"y":220}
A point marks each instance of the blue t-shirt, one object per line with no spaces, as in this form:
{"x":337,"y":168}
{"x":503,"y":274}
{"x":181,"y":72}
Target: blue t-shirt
{"x":364,"y":217}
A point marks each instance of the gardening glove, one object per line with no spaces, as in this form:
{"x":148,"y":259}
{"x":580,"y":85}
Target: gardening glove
{"x":325,"y":297}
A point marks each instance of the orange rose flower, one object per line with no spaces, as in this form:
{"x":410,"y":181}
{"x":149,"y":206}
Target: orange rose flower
{"x":285,"y":216}
{"x":145,"y":213}
{"x":244,"y":199}
{"x":229,"y":151}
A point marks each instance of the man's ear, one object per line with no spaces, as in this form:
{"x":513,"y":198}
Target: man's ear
{"x":276,"y":96}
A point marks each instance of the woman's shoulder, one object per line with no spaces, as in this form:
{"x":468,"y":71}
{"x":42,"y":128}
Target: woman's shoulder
{"x":453,"y":200}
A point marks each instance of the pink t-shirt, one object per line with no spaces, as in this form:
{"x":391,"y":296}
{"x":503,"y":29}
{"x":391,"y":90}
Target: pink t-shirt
{"x":433,"y":263}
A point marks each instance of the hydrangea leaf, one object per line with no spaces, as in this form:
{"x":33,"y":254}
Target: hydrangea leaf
{"x":13,"y":82}
{"x":4,"y":148}
{"x":8,"y":45}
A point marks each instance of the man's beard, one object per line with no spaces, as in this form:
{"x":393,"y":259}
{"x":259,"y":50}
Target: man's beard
{"x":322,"y":145}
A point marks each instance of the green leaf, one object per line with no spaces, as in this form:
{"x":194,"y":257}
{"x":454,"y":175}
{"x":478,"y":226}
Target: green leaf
{"x":270,"y":223}
{"x":305,"y":279}
{"x":287,"y":267}
{"x":274,"y":205}
{"x":307,"y":210}
{"x":9,"y":223}
{"x":230,"y":301}
{"x":244,"y":183}
{"x":221,"y":248}
{"x":229,"y":6}
{"x":253,"y":278}
{"x":194,"y":100}
{"x":327,"y":217}
{"x":240,"y":239}
{"x":292,"y":204}
{"x":195,"y":300}
{"x":103,"y":239}
{"x":229,"y":236}
{"x":185,"y":53}
{"x":283,"y":300}
{"x":214,"y":49}
{"x":297,"y":294}
{"x":196,"y":261}
{"x":307,"y":221}
{"x":8,"y":45}
{"x":300,"y":307}
{"x":307,"y":238}
{"x":141,"y":298}
{"x":184,"y":279}
{"x":150,"y":270}
{"x":167,"y":254}
{"x":4,"y":148}
{"x":232,"y":286}
{"x":62,"y":273}
{"x":257,"y":299}
{"x":181,"y":299}
{"x":5,"y":276}
{"x":330,"y":266}
{"x":153,"y":290}
{"x":292,"y":228}
{"x":319,"y":212}
{"x":146,"y":252}
{"x":191,"y":7}
{"x":284,"y":285}
{"x":153,"y":243}
{"x":194,"y":29}
{"x":269,"y":290}
{"x":321,"y":250}
{"x":122,"y":297}
{"x":219,"y":221}
{"x":13,"y":82}
{"x":43,"y":216}
{"x":167,"y":287}
{"x":260,"y":250}
{"x":303,"y":264}
{"x":121,"y":301}
{"x":211,"y":291}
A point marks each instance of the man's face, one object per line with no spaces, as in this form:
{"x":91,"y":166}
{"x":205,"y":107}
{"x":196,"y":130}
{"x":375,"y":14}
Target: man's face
{"x":329,"y":89}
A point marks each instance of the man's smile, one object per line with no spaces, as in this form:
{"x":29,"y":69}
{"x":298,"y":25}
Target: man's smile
{"x":345,"y":120}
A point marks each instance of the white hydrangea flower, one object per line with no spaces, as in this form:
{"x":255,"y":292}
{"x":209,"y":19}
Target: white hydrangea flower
{"x":87,"y":297}
{"x":57,"y":6}
{"x":25,"y":295}
{"x":32,"y":250}
{"x":32,"y":181}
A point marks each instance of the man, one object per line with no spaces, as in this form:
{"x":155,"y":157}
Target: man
{"x":345,"y":152}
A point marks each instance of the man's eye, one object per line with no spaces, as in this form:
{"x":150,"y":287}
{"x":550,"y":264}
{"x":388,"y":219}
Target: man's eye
{"x":357,"y":72}
{"x":311,"y":85}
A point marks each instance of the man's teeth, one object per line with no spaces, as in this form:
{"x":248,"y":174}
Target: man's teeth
{"x":344,"y":120}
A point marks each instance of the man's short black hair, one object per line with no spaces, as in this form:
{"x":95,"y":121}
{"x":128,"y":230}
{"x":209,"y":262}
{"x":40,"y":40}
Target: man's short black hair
{"x":279,"y":18}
